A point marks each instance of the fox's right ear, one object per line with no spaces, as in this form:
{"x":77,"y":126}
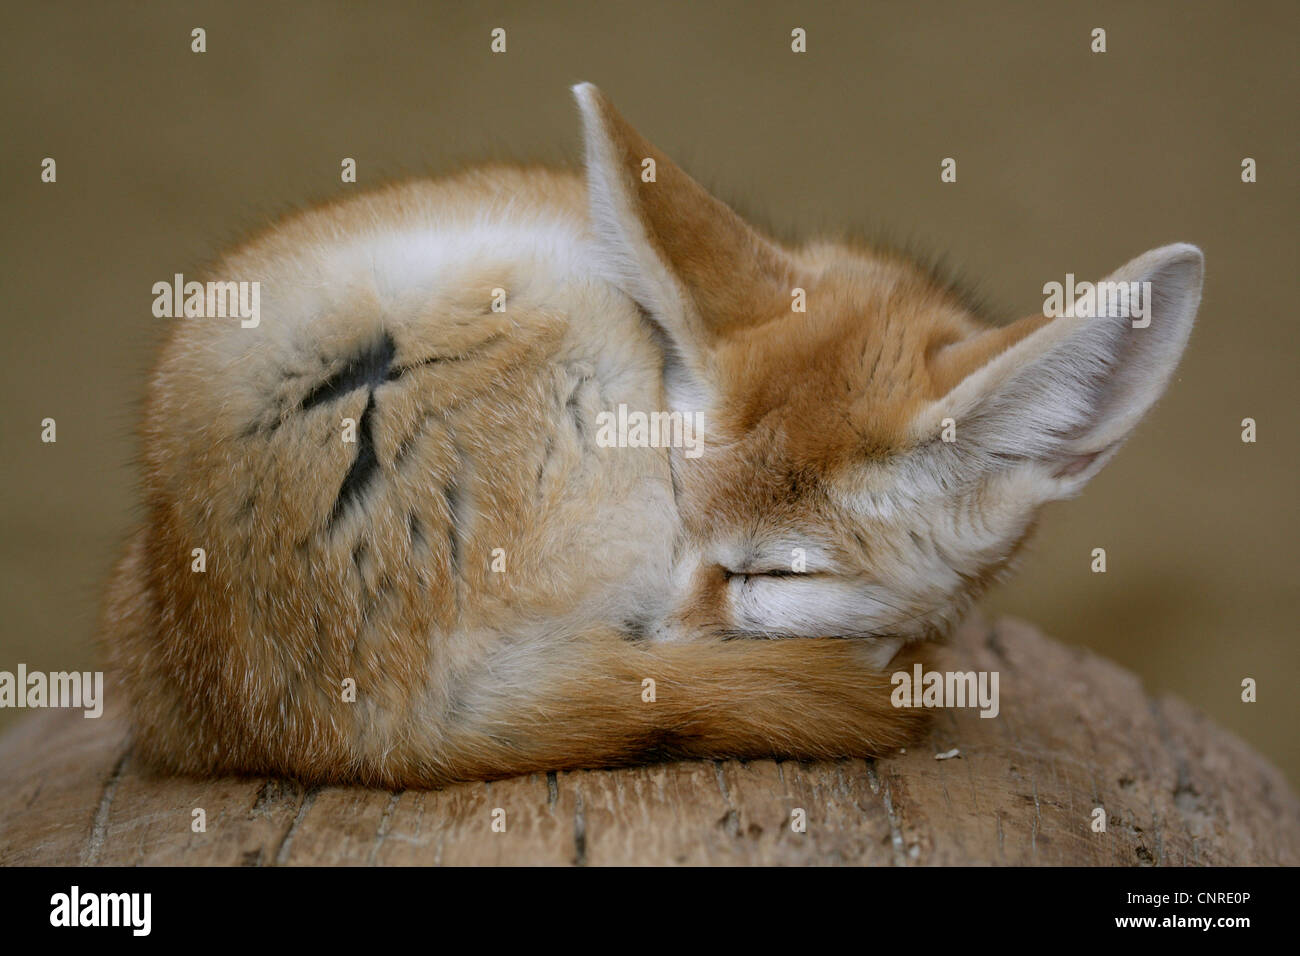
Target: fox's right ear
{"x":1060,"y":394}
{"x":695,"y":266}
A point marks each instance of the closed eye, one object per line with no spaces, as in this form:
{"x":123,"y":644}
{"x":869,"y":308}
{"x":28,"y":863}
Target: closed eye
{"x":767,"y":573}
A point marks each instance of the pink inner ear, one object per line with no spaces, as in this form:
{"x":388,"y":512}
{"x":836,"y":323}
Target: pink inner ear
{"x":1076,"y":463}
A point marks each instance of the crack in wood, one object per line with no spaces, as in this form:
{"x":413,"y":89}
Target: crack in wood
{"x":1038,"y":819}
{"x":579,"y":832}
{"x":730,"y":821}
{"x":385,"y":824}
{"x":895,"y":830}
{"x":99,"y":825}
{"x":286,"y":841}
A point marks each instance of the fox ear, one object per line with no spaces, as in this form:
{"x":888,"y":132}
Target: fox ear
{"x":1062,"y":394}
{"x":695,"y":266}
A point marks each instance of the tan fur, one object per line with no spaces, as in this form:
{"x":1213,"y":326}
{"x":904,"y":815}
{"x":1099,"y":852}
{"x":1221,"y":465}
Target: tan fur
{"x":623,"y":565}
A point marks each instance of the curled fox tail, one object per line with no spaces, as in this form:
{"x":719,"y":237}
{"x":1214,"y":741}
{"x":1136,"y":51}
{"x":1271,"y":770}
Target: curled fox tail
{"x":618,"y":703}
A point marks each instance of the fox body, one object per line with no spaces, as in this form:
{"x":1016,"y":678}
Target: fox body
{"x":421,"y":564}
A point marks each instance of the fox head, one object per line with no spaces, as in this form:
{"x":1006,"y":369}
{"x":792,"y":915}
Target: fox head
{"x":872,"y":461}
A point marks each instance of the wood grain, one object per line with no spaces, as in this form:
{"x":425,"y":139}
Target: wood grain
{"x":1075,"y":732}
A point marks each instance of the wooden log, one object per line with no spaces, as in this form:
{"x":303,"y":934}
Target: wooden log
{"x":1075,"y":733}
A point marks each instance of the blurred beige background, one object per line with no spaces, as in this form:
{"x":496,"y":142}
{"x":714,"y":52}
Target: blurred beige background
{"x":1067,"y":162}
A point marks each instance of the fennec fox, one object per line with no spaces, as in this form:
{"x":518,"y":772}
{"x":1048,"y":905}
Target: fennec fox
{"x":480,"y":583}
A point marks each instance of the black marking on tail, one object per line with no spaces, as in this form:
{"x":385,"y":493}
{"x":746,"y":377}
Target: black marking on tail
{"x":367,"y":368}
{"x":364,"y":465}
{"x":359,"y":554}
{"x":451,"y":493}
{"x":416,"y":529}
{"x":634,"y":629}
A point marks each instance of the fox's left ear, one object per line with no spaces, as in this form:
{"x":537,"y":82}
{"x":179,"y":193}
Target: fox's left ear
{"x":695,"y":266}
{"x":1061,"y":394}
